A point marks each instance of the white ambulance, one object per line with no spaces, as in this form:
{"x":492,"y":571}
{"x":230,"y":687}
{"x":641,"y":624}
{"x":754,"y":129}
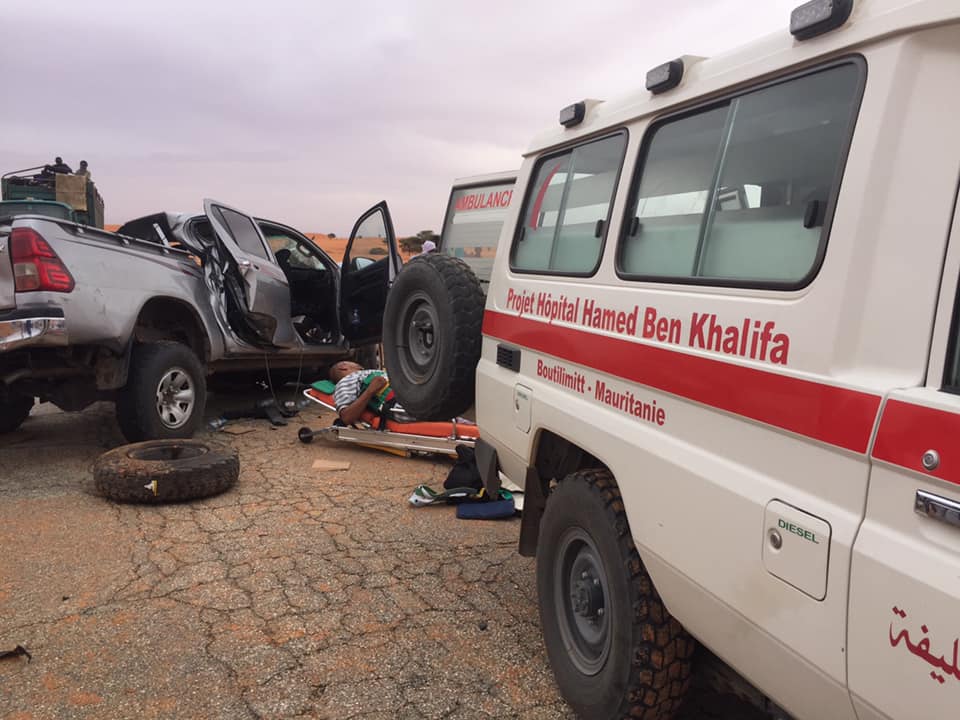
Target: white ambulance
{"x":721,"y":353}
{"x":475,"y":215}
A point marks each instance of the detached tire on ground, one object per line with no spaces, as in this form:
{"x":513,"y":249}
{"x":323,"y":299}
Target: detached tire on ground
{"x":432,"y":336}
{"x":14,"y":410}
{"x":159,"y":471}
{"x":614,"y":649}
{"x":165,"y":395}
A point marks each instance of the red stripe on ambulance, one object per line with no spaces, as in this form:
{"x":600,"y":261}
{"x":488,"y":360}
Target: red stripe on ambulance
{"x":907,"y":431}
{"x":830,"y":414}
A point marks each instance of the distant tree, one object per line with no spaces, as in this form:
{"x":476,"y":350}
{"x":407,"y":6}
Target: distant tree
{"x":411,"y":244}
{"x":378,"y":251}
{"x":415,"y":243}
{"x":332,"y":236}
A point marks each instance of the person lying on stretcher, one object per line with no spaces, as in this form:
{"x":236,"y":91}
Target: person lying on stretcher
{"x":364,"y":400}
{"x":358,"y":389}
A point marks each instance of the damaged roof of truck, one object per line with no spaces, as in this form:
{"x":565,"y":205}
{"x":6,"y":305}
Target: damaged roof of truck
{"x":166,"y":229}
{"x":144,"y":227}
{"x":704,"y":78}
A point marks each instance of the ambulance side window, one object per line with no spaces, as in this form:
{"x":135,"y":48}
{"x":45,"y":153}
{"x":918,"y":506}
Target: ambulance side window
{"x":567,"y":209}
{"x":951,"y":372}
{"x":741,"y":193}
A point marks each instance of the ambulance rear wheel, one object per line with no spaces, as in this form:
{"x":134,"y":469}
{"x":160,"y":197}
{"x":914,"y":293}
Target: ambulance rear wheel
{"x":614,"y":649}
{"x":432,"y":336}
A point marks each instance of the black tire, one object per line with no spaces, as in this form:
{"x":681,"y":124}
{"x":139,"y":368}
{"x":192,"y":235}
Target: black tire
{"x":370,"y":357}
{"x":614,"y":649}
{"x":13,"y":411}
{"x":432,"y":336}
{"x":159,"y":471}
{"x":141,"y":412}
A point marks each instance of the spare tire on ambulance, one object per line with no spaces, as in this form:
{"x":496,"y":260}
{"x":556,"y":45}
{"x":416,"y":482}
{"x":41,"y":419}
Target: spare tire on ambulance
{"x":434,"y":313}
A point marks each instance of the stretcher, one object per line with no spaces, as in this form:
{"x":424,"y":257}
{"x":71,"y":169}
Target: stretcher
{"x":395,"y":436}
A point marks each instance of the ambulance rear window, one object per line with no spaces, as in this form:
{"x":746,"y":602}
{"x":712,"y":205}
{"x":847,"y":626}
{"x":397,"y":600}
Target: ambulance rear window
{"x":741,"y":192}
{"x":472,"y":227}
{"x":567,"y":209}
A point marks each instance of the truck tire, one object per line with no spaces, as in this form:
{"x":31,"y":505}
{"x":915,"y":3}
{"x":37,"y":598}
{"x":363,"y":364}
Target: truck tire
{"x":432,"y":335}
{"x":13,"y":411}
{"x":159,"y":471}
{"x":614,"y":649}
{"x":165,"y":395}
{"x":370,"y":357}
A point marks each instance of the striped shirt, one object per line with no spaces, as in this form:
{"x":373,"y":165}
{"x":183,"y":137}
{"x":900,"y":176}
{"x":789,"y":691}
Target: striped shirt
{"x":350,"y":387}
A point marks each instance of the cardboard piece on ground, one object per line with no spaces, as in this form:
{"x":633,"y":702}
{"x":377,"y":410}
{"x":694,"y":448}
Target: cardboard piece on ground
{"x":324,"y":465}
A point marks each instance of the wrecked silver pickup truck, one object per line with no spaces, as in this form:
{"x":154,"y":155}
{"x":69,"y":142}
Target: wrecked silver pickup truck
{"x":142,"y":316}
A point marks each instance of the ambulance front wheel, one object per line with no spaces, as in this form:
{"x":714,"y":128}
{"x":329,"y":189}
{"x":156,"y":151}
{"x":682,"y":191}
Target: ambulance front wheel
{"x":614,"y":649}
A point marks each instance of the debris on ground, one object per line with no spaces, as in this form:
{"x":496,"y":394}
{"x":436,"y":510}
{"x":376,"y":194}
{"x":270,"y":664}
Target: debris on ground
{"x":16,"y":652}
{"x":270,"y":409}
{"x":238,"y":429}
{"x":472,"y":504}
{"x":325,"y":465}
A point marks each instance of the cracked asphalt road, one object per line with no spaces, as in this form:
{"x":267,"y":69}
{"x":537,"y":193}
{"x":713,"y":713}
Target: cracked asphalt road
{"x":297,"y":594}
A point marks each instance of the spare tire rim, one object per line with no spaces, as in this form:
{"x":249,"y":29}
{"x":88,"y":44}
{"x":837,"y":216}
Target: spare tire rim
{"x":175,"y":398}
{"x":167,"y":451}
{"x":420,"y":344}
{"x":582,"y":601}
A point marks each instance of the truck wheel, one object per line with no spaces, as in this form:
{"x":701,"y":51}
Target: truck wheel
{"x":13,"y":411}
{"x":432,"y":334}
{"x":165,"y":395}
{"x":614,"y":649}
{"x":370,"y":357}
{"x":160,"y":471}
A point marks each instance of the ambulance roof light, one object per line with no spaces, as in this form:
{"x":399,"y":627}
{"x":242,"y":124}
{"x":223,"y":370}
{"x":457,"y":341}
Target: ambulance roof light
{"x":664,"y":77}
{"x":573,"y":115}
{"x":818,"y":17}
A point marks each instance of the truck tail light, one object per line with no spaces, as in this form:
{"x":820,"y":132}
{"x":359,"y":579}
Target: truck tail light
{"x":36,"y":267}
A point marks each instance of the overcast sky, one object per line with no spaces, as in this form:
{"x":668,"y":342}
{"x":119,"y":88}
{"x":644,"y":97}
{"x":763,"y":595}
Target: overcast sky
{"x":310,"y":111}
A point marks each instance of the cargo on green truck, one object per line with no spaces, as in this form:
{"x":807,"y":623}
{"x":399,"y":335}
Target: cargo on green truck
{"x":39,"y":191}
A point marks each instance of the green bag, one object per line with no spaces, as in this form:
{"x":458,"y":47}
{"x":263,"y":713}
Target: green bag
{"x":383,"y":400}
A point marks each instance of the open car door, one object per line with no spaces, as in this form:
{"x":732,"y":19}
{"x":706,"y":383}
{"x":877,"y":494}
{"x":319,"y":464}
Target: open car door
{"x":253,"y":279}
{"x":370,"y":264}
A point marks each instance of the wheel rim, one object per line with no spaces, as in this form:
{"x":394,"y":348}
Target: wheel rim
{"x":419,"y":343}
{"x":176,"y":397}
{"x":166,"y":452}
{"x":582,"y":598}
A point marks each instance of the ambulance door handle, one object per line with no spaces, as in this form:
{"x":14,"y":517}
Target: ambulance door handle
{"x":936,"y":507}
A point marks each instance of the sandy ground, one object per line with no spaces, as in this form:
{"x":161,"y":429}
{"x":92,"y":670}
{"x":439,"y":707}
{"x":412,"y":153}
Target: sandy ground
{"x":297,"y":594}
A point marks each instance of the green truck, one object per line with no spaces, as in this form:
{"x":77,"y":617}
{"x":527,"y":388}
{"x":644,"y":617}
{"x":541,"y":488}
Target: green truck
{"x":39,"y":191}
